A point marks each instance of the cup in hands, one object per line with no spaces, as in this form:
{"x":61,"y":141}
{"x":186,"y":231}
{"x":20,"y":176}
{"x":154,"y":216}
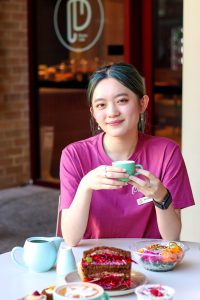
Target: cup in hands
{"x":130,"y":166}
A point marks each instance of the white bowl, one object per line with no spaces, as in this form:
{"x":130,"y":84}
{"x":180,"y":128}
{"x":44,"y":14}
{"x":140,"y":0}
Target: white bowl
{"x":158,"y":255}
{"x":154,"y":292}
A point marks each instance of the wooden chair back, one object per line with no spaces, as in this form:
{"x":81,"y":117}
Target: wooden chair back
{"x":58,"y":224}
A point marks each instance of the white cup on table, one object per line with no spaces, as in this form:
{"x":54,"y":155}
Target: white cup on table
{"x":154,"y":292}
{"x":66,"y":262}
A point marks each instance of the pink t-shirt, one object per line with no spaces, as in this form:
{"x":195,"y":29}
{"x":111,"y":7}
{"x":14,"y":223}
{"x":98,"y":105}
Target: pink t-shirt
{"x":115,"y":213}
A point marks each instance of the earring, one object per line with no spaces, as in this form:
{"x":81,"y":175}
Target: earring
{"x":142,"y":122}
{"x":98,"y":128}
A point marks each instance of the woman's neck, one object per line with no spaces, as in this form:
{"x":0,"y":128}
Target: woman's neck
{"x":120,"y":148}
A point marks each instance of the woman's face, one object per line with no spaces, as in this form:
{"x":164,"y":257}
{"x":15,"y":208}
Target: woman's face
{"x":116,"y":108}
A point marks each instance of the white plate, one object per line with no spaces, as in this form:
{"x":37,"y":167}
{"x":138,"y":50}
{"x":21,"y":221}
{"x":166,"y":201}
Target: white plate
{"x":137,"y":278}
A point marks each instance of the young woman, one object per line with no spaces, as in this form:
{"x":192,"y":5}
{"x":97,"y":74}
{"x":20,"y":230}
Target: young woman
{"x":94,"y":202}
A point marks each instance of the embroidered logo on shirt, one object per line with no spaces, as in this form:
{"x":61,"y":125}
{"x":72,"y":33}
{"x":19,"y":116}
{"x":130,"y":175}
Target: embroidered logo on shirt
{"x":143,"y":200}
{"x":134,"y":190}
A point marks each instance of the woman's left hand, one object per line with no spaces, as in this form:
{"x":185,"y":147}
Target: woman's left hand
{"x":149,"y":185}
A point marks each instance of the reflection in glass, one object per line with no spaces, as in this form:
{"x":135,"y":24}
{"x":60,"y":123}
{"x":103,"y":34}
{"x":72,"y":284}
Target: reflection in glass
{"x":168,"y":51}
{"x":56,"y":63}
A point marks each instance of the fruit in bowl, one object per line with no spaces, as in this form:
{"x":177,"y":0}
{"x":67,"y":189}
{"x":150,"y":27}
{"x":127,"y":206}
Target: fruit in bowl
{"x":158,"y":255}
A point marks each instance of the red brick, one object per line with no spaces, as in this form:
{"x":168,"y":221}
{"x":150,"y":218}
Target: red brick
{"x":14,"y":169}
{"x":21,"y":160}
{"x":10,"y":25}
{"x":5,"y":16}
{"x":2,"y":173}
{"x":14,"y":98}
{"x":14,"y":151}
{"x":8,"y":181}
{"x":8,"y":6}
{"x":20,"y":141}
{"x":13,"y":115}
{"x":6,"y":162}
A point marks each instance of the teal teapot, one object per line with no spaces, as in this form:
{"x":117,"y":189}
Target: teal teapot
{"x":39,"y":254}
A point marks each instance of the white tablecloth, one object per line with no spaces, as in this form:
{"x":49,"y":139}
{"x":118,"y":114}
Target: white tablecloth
{"x":16,"y":282}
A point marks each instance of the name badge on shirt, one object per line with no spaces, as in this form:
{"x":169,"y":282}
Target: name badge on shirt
{"x":144,"y":200}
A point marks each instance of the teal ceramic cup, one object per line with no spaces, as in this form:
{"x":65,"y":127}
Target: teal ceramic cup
{"x":80,"y":290}
{"x":130,"y":167}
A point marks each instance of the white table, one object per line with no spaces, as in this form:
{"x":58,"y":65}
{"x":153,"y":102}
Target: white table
{"x":16,"y":282}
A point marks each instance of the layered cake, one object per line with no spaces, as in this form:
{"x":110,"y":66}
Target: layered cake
{"x":108,"y":267}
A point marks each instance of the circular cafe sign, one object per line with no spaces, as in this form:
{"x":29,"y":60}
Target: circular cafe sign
{"x":78,"y":23}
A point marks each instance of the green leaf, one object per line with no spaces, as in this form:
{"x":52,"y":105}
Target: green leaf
{"x":88,"y":259}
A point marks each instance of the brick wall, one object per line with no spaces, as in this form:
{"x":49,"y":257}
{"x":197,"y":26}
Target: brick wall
{"x":14,"y":108}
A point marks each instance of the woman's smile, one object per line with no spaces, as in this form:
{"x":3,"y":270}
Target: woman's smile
{"x":115,"y":123}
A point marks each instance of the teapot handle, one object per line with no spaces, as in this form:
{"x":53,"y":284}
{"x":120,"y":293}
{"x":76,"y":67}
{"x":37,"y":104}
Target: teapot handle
{"x":14,"y":258}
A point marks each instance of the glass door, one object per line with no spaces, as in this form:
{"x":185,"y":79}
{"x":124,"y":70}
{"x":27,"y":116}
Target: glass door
{"x":167,"y":68}
{"x":70,"y":40}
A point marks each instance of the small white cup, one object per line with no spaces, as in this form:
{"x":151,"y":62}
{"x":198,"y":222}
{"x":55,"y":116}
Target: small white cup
{"x":143,"y":292}
{"x":66,"y":262}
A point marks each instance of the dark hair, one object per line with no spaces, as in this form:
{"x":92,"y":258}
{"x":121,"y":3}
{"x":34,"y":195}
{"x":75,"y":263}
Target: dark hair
{"x":126,"y":74}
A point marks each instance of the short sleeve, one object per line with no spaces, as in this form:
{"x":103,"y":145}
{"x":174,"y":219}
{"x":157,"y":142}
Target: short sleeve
{"x":70,"y":176}
{"x":176,"y":179}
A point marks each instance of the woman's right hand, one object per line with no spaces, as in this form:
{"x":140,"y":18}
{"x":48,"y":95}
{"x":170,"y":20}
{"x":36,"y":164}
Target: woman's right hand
{"x":104,"y":178}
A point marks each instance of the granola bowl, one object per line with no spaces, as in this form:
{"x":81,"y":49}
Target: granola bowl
{"x":158,"y":255}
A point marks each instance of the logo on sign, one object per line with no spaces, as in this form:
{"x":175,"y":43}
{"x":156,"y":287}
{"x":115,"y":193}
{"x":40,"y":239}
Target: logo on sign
{"x":74,"y":28}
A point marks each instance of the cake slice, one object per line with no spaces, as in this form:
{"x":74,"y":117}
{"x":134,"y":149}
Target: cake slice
{"x":108,"y":267}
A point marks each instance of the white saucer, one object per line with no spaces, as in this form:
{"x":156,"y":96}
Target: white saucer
{"x":138,"y":278}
